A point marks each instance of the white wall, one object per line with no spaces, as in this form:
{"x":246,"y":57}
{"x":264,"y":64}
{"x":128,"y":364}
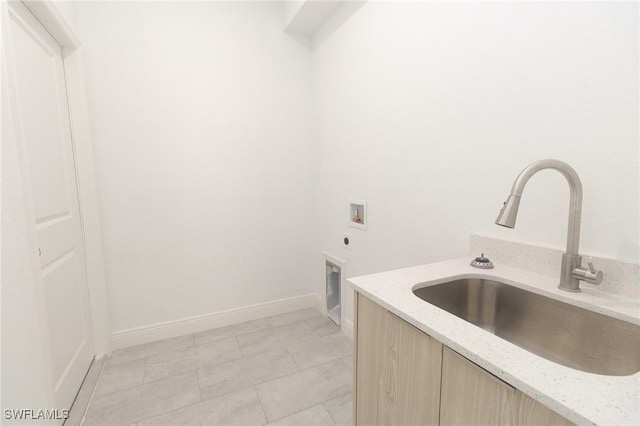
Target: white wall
{"x":202,"y":123}
{"x":430,"y":110}
{"x":289,"y":9}
{"x":307,"y":16}
{"x":68,"y":11}
{"x":201,"y":129}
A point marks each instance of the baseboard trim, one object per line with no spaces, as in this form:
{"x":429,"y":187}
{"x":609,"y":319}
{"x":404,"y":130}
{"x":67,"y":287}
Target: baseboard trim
{"x":319,"y":305}
{"x":165,"y":330}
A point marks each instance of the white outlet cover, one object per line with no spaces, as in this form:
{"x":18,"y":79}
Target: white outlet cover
{"x":347,"y":236}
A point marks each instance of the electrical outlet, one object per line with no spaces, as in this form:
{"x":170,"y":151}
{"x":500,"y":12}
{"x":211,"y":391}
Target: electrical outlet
{"x":346,"y":240}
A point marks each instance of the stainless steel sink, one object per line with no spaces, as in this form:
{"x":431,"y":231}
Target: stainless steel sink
{"x":557,"y":331}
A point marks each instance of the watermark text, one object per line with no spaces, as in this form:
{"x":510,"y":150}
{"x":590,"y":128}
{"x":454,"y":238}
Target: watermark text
{"x":35,"y":414}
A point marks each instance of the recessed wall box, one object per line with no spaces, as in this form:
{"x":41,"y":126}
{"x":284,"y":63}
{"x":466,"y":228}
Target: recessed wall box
{"x":334,"y":280}
{"x":358,"y":214}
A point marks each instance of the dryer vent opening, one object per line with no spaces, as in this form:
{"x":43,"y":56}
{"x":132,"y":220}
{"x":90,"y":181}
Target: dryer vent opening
{"x":334,"y":277}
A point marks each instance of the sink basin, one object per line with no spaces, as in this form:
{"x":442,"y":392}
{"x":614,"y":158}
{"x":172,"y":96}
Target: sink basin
{"x":554,"y":330}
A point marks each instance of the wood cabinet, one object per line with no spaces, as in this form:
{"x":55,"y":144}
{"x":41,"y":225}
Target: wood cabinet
{"x":398,"y":370}
{"x":470,"y":395}
{"x":529,"y":412}
{"x":405,"y":377}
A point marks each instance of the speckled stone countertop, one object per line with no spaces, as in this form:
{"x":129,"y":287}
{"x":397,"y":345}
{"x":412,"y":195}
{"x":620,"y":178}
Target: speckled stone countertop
{"x":583,"y":398}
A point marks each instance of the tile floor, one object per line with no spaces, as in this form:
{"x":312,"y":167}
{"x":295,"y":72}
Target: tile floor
{"x":289,"y":369}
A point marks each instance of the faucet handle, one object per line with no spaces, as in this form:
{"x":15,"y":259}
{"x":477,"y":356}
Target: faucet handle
{"x":592,"y":276}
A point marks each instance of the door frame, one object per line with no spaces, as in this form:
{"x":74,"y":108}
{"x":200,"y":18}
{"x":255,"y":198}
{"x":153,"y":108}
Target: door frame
{"x":48,"y":14}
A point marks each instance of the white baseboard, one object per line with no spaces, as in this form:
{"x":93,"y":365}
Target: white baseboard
{"x":165,"y":330}
{"x":320,"y":305}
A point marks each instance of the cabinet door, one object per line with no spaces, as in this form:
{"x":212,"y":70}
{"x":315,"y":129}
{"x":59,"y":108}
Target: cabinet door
{"x":530,"y":412}
{"x":398,"y":370}
{"x":472,"y":396}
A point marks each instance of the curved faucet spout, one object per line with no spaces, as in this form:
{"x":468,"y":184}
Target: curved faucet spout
{"x":509,"y":212}
{"x":572,"y":271}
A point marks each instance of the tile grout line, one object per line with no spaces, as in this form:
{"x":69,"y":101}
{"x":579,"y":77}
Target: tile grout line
{"x":338,"y":360}
{"x":314,"y":337}
{"x":197,"y":367}
{"x":169,"y":412}
{"x":199,"y":388}
{"x":119,"y":390}
{"x":268,"y":380}
{"x":264,"y":411}
{"x":123,"y":389}
{"x":329,"y":413}
{"x":266,"y":319}
{"x":296,"y":372}
{"x":143,"y":384}
{"x":152,"y":355}
{"x":130,"y":348}
{"x":144,"y":375}
{"x":233,"y":335}
{"x":235,"y":338}
{"x":286,"y":349}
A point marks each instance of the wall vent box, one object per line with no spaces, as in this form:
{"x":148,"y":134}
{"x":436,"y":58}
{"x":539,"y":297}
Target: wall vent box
{"x":334,"y":277}
{"x":358,"y":214}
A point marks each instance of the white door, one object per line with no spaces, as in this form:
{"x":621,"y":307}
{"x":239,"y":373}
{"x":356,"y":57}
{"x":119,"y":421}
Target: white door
{"x":42,"y":117}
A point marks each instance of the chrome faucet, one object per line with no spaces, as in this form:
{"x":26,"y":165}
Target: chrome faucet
{"x":572,"y":271}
